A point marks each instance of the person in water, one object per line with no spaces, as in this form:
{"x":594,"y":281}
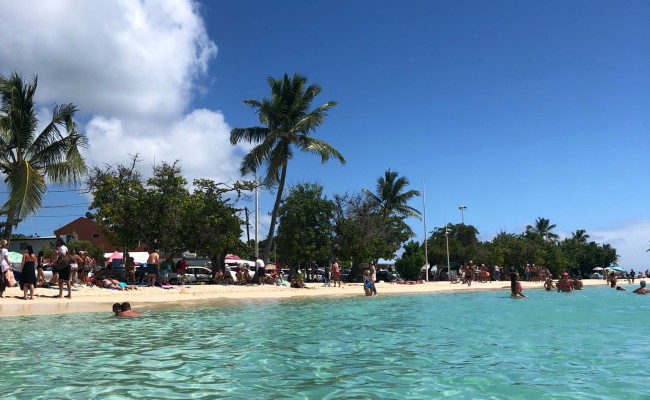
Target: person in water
{"x":515,"y":286}
{"x":642,"y":289}
{"x":549,"y":285}
{"x":126,"y":312}
{"x":564,"y":284}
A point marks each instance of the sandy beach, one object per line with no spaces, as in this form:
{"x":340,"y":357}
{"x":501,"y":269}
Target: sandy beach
{"x":94,"y":299}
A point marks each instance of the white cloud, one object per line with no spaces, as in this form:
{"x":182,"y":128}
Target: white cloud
{"x":132,"y":68}
{"x":630,"y":239}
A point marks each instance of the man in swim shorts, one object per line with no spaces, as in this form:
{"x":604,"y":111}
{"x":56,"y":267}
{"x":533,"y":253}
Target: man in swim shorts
{"x":336,"y":273}
{"x":153,"y":267}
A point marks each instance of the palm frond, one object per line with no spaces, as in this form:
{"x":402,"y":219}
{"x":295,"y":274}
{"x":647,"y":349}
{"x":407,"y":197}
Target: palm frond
{"x":254,"y":134}
{"x":320,"y":148}
{"x":26,"y":188}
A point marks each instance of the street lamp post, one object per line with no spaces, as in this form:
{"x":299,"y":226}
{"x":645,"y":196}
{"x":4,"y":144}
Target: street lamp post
{"x":462,"y":209}
{"x":447,"y":239}
{"x":426,"y":255}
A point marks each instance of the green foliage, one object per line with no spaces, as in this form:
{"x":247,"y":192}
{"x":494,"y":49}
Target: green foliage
{"x":163,"y":214}
{"x":288,"y":122}
{"x":305,"y":231}
{"x":363,"y":234}
{"x":210,"y":222}
{"x":28,"y":158}
{"x":392,"y":197}
{"x":534,"y":246}
{"x":411,"y":262}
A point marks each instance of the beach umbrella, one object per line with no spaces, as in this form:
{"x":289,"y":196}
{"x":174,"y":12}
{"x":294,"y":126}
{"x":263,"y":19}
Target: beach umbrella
{"x":617,"y":269}
{"x":597,"y":269}
{"x":15,"y":257}
{"x":115,"y":256}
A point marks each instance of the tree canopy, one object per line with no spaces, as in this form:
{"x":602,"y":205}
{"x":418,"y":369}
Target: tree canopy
{"x":28,"y":158}
{"x":288,"y":122}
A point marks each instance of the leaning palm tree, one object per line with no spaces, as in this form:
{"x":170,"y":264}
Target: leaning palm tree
{"x":543,"y":228}
{"x":288,"y":122}
{"x":391,"y":197}
{"x":29,"y":158}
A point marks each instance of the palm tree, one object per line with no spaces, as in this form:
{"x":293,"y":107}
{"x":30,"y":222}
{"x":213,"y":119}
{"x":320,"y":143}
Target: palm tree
{"x":543,"y":228}
{"x":391,"y":196}
{"x":288,"y":122}
{"x":28,"y":158}
{"x":580,"y":236}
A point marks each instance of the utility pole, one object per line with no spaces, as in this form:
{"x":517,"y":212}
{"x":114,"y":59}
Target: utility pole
{"x":248,"y":233}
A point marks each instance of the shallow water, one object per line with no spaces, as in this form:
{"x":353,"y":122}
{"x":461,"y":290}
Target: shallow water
{"x":586,"y":345}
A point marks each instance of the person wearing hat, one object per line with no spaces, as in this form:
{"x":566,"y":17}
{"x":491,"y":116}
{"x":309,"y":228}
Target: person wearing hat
{"x":564,"y":284}
{"x":642,"y":289}
{"x":63,"y":261}
{"x":6,"y":266}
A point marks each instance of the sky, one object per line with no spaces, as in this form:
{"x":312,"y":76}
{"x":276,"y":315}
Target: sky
{"x":516,"y":110}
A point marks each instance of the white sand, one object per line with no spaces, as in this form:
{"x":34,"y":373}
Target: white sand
{"x":94,"y":299}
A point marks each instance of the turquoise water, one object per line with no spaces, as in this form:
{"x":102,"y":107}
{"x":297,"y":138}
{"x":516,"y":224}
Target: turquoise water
{"x":586,"y":345}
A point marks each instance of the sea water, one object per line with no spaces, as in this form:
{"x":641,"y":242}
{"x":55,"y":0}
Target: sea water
{"x":592,"y":344}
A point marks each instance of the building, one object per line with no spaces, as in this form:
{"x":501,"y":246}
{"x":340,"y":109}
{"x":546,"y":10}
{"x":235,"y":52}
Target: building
{"x":85,"y":229}
{"x":37,"y":243}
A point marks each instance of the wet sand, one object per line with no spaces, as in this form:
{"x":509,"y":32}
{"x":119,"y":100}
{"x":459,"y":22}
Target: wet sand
{"x":94,"y":299}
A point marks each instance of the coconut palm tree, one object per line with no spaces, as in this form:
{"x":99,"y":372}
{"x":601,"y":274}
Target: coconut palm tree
{"x":288,"y":123}
{"x":29,"y":158}
{"x":543,"y":228}
{"x":580,"y":236}
{"x":391,"y":196}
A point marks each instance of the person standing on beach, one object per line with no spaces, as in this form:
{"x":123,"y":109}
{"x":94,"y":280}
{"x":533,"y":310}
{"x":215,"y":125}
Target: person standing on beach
{"x":6,"y":266}
{"x":336,"y":273}
{"x":28,"y":273}
{"x":373,"y":278}
{"x":40,"y":275}
{"x":63,"y":263}
{"x":153,"y":267}
{"x":259,"y":271}
{"x":129,"y":268}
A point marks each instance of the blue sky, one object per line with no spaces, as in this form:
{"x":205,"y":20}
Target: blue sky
{"x":518,"y":110}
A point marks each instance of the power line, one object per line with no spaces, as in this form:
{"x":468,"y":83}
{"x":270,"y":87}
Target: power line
{"x":66,"y":205}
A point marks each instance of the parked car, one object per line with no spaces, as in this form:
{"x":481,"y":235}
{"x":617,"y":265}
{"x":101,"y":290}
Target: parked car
{"x":345,"y":274}
{"x":193,"y":274}
{"x":388,"y":276}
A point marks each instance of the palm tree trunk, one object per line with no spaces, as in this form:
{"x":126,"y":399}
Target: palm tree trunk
{"x":274,"y":215}
{"x":9,"y":225}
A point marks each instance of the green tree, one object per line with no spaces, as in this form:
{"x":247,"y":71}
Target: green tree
{"x":305,"y":230}
{"x":543,"y":228}
{"x":132,"y":211}
{"x":580,"y":236}
{"x":211,"y":225}
{"x":117,"y":193}
{"x":411,"y":262}
{"x":288,"y":123}
{"x":362,"y":234}
{"x":392,"y":197}
{"x":28,"y":157}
